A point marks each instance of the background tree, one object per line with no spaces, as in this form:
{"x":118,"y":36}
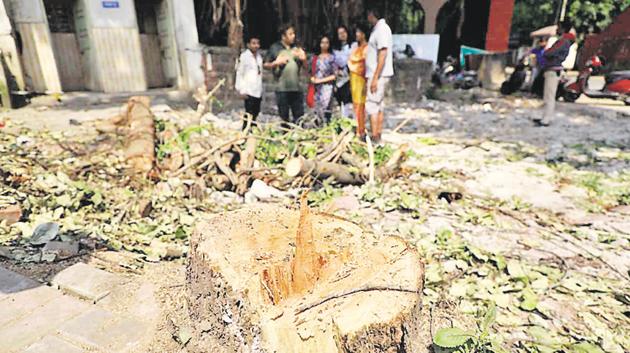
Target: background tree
{"x":588,"y":16}
{"x":592,"y":16}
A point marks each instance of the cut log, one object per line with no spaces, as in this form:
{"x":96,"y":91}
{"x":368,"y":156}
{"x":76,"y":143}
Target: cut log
{"x":140,"y":143}
{"x":270,"y":279}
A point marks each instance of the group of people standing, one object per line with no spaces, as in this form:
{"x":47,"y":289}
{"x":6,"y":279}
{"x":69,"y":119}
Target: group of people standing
{"x":356,"y":74}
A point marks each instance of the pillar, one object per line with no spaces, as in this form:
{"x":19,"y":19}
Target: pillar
{"x":431,"y":9}
{"x":499,"y":25}
{"x":38,"y":58}
{"x":110,"y":42}
{"x":190,"y":75}
{"x":10,"y":55}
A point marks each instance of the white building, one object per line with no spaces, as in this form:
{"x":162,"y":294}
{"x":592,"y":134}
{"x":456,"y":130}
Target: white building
{"x":100,"y":45}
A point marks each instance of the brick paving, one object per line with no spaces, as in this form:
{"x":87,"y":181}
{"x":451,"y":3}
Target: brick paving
{"x":37,"y":318}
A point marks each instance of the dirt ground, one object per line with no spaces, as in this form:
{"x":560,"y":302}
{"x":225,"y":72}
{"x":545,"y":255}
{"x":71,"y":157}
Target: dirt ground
{"x":502,"y":211}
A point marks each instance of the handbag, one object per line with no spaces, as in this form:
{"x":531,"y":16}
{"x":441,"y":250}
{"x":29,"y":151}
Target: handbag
{"x":310,"y":94}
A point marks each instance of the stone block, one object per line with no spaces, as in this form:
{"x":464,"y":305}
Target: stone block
{"x":61,"y":249}
{"x":16,"y":306}
{"x":11,"y":282}
{"x":103,"y":330}
{"x":39,"y":323}
{"x":85,"y":281}
{"x":10,"y":214}
{"x":53,"y":344}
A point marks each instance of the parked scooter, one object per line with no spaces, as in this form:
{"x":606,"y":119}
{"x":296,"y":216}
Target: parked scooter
{"x":449,"y":73}
{"x":617,"y":84}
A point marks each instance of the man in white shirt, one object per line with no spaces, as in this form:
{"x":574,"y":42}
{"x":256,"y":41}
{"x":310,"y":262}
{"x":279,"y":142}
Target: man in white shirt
{"x":249,"y":82}
{"x":379,"y":64}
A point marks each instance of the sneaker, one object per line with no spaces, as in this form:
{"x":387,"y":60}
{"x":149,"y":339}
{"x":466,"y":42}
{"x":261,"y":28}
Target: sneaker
{"x":540,"y":122}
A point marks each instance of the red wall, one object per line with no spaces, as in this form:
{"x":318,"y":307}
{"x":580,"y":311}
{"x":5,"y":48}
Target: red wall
{"x":499,"y":24}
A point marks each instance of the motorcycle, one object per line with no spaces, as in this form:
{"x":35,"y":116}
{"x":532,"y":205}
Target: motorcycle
{"x":617,"y":84}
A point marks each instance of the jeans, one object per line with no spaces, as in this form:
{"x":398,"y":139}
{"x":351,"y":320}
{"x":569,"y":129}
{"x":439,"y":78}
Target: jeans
{"x":290,"y":102}
{"x":551,"y":88}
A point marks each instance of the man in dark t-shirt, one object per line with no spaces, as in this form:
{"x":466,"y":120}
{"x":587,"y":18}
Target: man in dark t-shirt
{"x":285,"y":60}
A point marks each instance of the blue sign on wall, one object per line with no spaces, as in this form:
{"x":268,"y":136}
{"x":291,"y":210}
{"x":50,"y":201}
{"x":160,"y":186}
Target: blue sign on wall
{"x":111,"y":4}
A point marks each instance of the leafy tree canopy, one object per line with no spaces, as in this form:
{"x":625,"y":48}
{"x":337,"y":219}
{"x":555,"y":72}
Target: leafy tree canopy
{"x":588,"y":16}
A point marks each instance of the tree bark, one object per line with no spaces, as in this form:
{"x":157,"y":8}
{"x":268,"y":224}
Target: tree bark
{"x":140,"y":143}
{"x":235,"y":30}
{"x":254,"y":286}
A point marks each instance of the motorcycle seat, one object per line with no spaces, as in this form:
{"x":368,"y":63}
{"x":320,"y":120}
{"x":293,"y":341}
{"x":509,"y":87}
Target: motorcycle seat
{"x":618,"y":75}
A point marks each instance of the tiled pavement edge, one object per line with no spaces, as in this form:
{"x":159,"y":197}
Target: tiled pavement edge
{"x":38,"y":318}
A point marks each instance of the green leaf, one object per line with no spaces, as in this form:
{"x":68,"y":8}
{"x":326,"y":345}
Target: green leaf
{"x":529,"y":300}
{"x":451,"y":337}
{"x":515,"y":270}
{"x":586,"y":347}
{"x":97,"y":198}
{"x":409,"y":202}
{"x":477,"y":253}
{"x":499,"y":261}
{"x":489,"y":318}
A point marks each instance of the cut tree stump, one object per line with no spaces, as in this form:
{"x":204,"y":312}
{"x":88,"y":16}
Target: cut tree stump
{"x":270,"y":279}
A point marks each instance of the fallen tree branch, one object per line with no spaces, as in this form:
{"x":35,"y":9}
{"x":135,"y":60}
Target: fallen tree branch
{"x":204,"y":157}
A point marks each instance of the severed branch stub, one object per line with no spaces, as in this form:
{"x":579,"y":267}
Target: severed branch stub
{"x":272,"y":279}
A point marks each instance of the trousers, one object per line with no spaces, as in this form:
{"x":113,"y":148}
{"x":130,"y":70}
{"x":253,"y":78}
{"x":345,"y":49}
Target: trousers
{"x":551,"y":88}
{"x":290,"y":102}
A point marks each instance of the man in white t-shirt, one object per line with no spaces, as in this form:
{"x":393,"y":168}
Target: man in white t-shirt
{"x":249,"y":83}
{"x":379,"y":63}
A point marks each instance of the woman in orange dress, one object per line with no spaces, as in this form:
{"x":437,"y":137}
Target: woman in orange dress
{"x":358,"y":85}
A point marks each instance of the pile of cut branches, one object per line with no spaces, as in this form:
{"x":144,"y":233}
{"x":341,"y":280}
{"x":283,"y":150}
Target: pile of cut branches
{"x":282,"y":157}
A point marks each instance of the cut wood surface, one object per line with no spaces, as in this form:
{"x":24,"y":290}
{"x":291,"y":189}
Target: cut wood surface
{"x":272,"y":279}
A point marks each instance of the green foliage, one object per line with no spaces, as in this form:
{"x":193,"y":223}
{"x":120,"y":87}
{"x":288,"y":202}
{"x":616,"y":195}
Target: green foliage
{"x":530,"y":15}
{"x":179,"y":142}
{"x":588,"y":16}
{"x":470,"y":342}
{"x":322,"y":196}
{"x":591,"y":16}
{"x":451,"y":337}
{"x":410,"y":17}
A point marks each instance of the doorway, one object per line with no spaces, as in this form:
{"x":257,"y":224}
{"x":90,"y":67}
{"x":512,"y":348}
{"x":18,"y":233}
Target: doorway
{"x":157,"y":41}
{"x":65,"y":43}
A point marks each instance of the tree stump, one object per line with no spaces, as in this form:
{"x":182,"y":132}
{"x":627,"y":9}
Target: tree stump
{"x":271,"y":279}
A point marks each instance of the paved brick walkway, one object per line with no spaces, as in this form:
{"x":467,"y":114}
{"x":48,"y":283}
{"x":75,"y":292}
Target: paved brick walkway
{"x":38,"y":318}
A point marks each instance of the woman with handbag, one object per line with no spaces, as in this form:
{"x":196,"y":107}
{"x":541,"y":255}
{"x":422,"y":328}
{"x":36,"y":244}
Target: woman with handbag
{"x":323,"y":70}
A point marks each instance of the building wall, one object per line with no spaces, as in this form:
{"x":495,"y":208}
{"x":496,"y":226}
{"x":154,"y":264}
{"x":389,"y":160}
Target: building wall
{"x":499,"y":25}
{"x":411,"y":80}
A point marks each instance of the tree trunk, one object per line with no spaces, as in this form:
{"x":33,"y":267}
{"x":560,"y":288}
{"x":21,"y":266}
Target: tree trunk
{"x":254,"y":287}
{"x":140,"y":143}
{"x":235,"y":30}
